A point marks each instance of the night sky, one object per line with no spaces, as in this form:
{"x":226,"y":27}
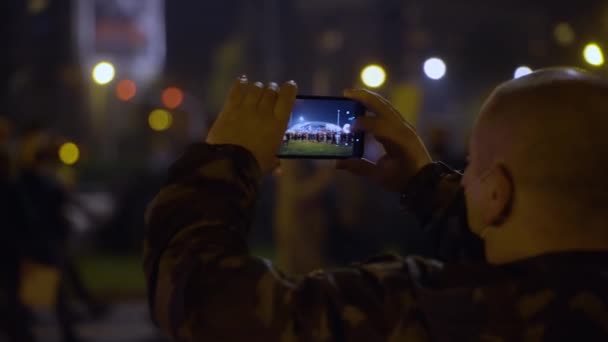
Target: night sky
{"x":323,"y":110}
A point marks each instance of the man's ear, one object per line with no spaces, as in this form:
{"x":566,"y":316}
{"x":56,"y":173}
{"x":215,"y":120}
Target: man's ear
{"x":500,"y":195}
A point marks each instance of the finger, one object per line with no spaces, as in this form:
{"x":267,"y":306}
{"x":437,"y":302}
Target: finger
{"x":360,"y":167}
{"x":377,"y":104}
{"x":269,"y":99}
{"x":253,"y":95}
{"x":235,"y":96}
{"x":286,"y":101}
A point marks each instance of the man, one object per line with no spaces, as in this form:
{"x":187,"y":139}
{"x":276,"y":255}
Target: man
{"x":535,"y":191}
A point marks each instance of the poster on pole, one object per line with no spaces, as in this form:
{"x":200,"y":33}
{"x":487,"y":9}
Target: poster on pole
{"x":130,"y":34}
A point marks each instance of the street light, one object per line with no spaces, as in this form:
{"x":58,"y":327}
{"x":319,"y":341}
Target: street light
{"x":522,"y":71}
{"x":373,"y":76}
{"x":593,"y":54}
{"x":103,"y":73}
{"x":435,"y":68}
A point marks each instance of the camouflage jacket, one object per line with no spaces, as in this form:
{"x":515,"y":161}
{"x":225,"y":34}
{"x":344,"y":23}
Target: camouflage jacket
{"x":204,"y":284}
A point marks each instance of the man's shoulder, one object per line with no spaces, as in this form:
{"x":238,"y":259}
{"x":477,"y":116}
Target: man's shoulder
{"x":562,"y":295}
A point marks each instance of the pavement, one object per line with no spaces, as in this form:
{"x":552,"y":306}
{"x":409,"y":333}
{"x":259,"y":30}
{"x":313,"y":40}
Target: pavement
{"x":125,"y":322}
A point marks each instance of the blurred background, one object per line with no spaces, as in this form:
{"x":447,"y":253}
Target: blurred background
{"x":98,"y":97}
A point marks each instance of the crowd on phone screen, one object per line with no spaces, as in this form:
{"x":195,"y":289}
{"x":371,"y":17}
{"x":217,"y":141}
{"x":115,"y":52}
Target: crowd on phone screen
{"x":36,"y":231}
{"x":324,"y":136}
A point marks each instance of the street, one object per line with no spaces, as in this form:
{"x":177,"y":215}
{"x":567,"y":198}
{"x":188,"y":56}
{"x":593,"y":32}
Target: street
{"x":125,"y":322}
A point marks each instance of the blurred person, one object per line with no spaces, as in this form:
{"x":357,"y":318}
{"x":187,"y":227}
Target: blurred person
{"x":356,"y":207}
{"x":301,"y":215}
{"x":14,"y":319}
{"x":439,"y":147}
{"x":47,"y":198}
{"x":534,"y":192}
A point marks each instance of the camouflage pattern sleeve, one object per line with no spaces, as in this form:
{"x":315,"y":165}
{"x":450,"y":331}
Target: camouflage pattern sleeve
{"x":204,"y":285}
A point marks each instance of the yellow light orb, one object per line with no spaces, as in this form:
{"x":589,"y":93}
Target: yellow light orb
{"x":593,"y":55}
{"x":373,"y":76}
{"x":564,"y":34}
{"x":37,"y":6}
{"x":103,"y":73}
{"x":69,"y":153}
{"x":160,"y":120}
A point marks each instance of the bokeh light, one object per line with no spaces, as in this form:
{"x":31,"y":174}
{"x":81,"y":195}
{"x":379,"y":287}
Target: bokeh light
{"x":126,"y":90}
{"x":522,"y":71}
{"x":69,"y":153}
{"x":593,"y":54}
{"x":435,"y":68}
{"x":346,"y":129}
{"x":373,"y":76}
{"x":103,"y":73}
{"x":564,"y":34}
{"x":37,"y":6}
{"x":172,"y":97}
{"x":160,"y":120}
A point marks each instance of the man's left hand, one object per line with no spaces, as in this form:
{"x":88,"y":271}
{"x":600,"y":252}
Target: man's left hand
{"x":255,"y":117}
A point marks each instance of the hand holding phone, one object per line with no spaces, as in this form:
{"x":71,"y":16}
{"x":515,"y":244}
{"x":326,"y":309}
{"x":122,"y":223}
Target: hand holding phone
{"x":322,"y":128}
{"x":405,"y":153}
{"x":255,"y":117}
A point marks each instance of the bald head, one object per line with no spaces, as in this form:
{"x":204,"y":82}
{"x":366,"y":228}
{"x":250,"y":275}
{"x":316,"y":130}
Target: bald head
{"x":551,"y":130}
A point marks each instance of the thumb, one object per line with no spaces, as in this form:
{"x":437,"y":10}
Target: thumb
{"x":360,"y":167}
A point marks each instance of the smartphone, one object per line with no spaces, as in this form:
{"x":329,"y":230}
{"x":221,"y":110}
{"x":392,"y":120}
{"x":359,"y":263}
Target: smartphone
{"x":320,"y":127}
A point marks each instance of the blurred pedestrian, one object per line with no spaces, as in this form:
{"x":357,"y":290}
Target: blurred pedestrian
{"x":49,"y":237}
{"x":301,"y":215}
{"x":14,"y":320}
{"x":439,"y":147}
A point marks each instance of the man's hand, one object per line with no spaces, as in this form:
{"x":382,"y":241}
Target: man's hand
{"x":405,"y":151}
{"x":255,"y":117}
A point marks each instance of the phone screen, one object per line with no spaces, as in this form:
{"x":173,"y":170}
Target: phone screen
{"x":321,"y":128}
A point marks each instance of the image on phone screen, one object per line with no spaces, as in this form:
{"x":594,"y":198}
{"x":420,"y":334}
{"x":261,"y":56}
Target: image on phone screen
{"x":321,"y":128}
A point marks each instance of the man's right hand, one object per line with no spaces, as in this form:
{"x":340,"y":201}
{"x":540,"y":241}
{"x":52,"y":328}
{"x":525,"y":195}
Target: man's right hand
{"x":405,"y":151}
